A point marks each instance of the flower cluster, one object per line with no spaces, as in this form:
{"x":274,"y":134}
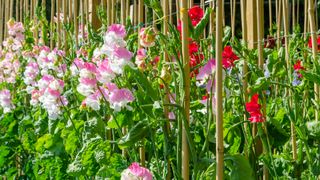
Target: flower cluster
{"x":95,"y":78}
{"x":297,"y":76}
{"x":147,"y":37}
{"x":16,"y":37}
{"x":136,"y":172}
{"x":228,"y":57}
{"x":254,"y":109}
{"x":5,"y":101}
{"x":318,"y":43}
{"x":196,"y":14}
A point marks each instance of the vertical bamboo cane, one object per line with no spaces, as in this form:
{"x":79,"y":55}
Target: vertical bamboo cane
{"x":233,"y":19}
{"x":21,"y":10}
{"x":17,"y":10}
{"x":109,"y":12}
{"x":1,"y":22}
{"x":270,"y":16}
{"x":190,"y":3}
{"x":35,"y":32}
{"x":212,"y":15}
{"x":31,"y":9}
{"x":293,"y":14}
{"x":279,"y":23}
{"x":261,"y":62}
{"x":113,"y":10}
{"x":127,"y":8}
{"x":223,"y":14}
{"x":135,"y":13}
{"x":58,"y":23}
{"x":219,"y":91}
{"x":170,"y":11}
{"x":82,"y":19}
{"x":177,"y":10}
{"x":75,"y":19}
{"x":185,"y":55}
{"x":64,"y":9}
{"x":140,"y":17}
{"x":286,"y":32}
{"x":298,"y":11}
{"x":123,"y":12}
{"x":166,"y":126}
{"x":87,"y":14}
{"x":313,"y":30}
{"x":52,"y":25}
{"x":26,"y":6}
{"x":70,"y":16}
{"x":11,"y":8}
{"x":6,"y":13}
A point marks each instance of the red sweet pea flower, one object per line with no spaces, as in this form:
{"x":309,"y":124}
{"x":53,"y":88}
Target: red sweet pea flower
{"x":193,"y":47}
{"x":228,"y":57}
{"x":310,"y":42}
{"x":196,"y":14}
{"x":253,"y":108}
{"x":297,"y":67}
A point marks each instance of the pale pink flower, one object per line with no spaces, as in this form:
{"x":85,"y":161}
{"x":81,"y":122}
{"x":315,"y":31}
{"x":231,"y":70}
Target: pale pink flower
{"x":105,"y":73}
{"x":136,"y":172}
{"x":119,"y":98}
{"x":147,"y":37}
{"x":117,"y":29}
{"x":121,"y":58}
{"x":140,"y":58}
{"x":5,"y":101}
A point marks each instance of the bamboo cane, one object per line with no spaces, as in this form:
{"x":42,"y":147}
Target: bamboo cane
{"x":298,"y":11}
{"x":52,"y":25}
{"x":233,"y":19}
{"x":70,"y":16}
{"x":26,"y":6}
{"x":223,"y":14}
{"x":64,"y":9}
{"x":31,"y":9}
{"x":316,"y":12}
{"x":135,"y":13}
{"x":185,"y":55}
{"x":177,"y":9}
{"x":245,"y":65}
{"x":82,"y":19}
{"x":75,"y":19}
{"x":123,"y":12}
{"x":170,"y":11}
{"x":190,"y":4}
{"x":279,"y":23}
{"x":1,"y":22}
{"x":87,"y":14}
{"x":17,"y":10}
{"x":166,"y":127}
{"x":109,"y":12}
{"x":261,"y":62}
{"x":21,"y":11}
{"x":202,"y":5}
{"x":287,"y":56}
{"x":113,"y":10}
{"x":211,"y":23}
{"x":127,"y":8}
{"x":11,"y":8}
{"x":6,"y":12}
{"x":58,"y":24}
{"x":313,"y":30}
{"x":219,"y":91}
{"x":140,"y":17}
{"x":270,"y":17}
{"x":293,"y":14}
{"x":35,"y":32}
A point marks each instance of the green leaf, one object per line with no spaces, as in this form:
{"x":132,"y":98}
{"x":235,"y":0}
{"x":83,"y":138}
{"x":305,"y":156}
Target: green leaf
{"x":136,"y":133}
{"x":198,"y":30}
{"x":4,"y":151}
{"x":310,"y":76}
{"x":144,"y":83}
{"x":240,"y":167}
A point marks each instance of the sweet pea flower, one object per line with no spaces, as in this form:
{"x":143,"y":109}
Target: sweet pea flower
{"x":5,"y":101}
{"x":228,"y":57}
{"x":196,"y":14}
{"x":121,"y":57}
{"x":136,"y":172}
{"x":140,"y":58}
{"x":254,"y":109}
{"x":147,"y":37}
